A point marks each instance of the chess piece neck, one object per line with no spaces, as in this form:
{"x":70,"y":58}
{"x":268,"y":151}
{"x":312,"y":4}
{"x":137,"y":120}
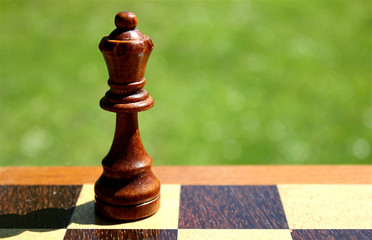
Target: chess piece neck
{"x":127,"y":155}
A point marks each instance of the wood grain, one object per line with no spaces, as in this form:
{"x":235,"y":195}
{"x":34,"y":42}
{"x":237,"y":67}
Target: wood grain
{"x":328,"y":234}
{"x":37,"y":206}
{"x":201,"y":175}
{"x":120,"y":234}
{"x":326,"y":206}
{"x":231,"y":207}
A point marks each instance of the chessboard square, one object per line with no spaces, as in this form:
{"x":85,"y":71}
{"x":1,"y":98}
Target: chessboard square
{"x":234,"y":234}
{"x":84,"y":216}
{"x":332,"y":234}
{"x":231,"y":207}
{"x":120,"y":234}
{"x":327,"y":206}
{"x":26,"y":234}
{"x":38,"y":206}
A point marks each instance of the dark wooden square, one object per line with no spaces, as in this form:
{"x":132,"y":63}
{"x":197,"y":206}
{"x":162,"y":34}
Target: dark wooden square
{"x":331,"y":234}
{"x":28,"y":207}
{"x":120,"y":234}
{"x":231,"y":207}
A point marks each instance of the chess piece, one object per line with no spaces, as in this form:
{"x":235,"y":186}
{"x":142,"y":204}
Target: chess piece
{"x":127,"y":188}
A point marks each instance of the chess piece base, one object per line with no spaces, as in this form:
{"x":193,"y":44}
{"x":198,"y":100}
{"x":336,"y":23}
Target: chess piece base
{"x":127,"y":212}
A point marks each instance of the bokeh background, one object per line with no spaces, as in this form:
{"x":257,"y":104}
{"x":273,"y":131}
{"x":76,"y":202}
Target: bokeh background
{"x":258,"y":82}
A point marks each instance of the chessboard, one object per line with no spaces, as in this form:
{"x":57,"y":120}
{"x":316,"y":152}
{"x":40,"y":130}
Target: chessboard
{"x":192,"y":211}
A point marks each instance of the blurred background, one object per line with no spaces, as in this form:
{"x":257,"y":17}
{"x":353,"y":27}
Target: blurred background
{"x":258,"y":82}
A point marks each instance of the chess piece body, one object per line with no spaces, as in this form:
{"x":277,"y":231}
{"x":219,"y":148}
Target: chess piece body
{"x":127,"y":188}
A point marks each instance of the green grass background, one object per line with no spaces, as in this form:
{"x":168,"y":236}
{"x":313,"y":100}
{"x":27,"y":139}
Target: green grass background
{"x":258,"y":82}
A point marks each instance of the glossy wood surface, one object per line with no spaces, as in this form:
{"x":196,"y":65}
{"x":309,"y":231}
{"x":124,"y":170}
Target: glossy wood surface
{"x":127,"y":188}
{"x":200,"y":175}
{"x":37,"y":207}
{"x":237,"y":207}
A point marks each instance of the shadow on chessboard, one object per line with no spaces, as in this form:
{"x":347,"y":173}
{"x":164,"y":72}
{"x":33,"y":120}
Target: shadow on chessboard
{"x":48,"y":219}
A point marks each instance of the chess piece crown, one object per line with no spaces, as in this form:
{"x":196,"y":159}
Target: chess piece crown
{"x":127,"y":188}
{"x":126,"y":51}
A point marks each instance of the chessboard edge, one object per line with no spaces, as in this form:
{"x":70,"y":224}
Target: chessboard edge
{"x":200,"y":175}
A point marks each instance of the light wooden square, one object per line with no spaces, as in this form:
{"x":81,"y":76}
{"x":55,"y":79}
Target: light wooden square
{"x":27,"y":234}
{"x":166,"y":218}
{"x":233,"y":234}
{"x":327,"y":206}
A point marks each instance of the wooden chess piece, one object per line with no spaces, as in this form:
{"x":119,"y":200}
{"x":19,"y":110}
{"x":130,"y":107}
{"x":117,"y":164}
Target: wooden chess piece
{"x":127,"y":188}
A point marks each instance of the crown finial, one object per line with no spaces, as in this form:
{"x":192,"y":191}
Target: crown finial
{"x":126,"y":20}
